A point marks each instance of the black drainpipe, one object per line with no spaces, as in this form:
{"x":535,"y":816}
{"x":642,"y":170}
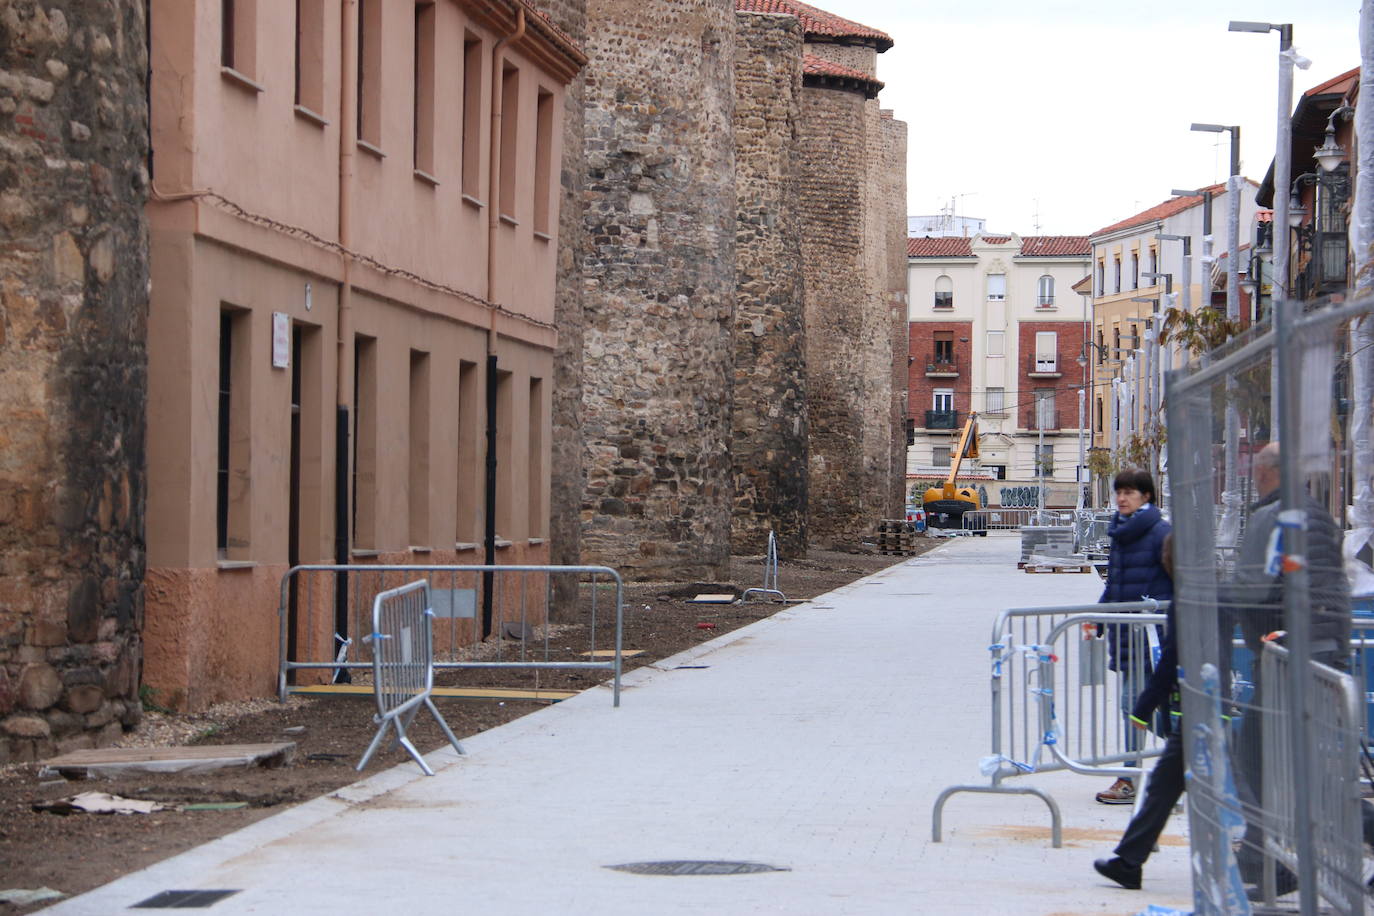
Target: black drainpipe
{"x":341,"y":517}
{"x":489,"y":535}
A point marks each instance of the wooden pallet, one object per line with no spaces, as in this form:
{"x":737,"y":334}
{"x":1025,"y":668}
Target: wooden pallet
{"x":1084,"y":568}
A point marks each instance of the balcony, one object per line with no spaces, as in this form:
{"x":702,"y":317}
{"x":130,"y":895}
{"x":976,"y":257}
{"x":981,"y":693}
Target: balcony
{"x":941,"y":365}
{"x":1049,"y":417}
{"x":1043,"y":367}
{"x":942,"y":419}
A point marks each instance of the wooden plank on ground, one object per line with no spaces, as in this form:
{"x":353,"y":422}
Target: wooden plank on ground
{"x":610,"y":653}
{"x":468,"y":693}
{"x":112,"y":762}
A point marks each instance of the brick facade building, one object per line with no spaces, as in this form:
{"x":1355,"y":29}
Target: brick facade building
{"x":997,"y":327}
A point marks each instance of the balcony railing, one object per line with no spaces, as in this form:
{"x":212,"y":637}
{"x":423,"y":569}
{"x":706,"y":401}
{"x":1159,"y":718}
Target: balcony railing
{"x":942,"y":419}
{"x":1043,"y":366}
{"x":1050,"y":418}
{"x":1044,"y":302}
{"x":941,"y":365}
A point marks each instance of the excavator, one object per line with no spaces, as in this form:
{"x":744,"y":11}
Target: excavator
{"x":945,"y":506}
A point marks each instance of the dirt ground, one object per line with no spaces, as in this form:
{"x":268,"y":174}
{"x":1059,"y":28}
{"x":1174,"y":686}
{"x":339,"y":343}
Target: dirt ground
{"x":76,"y":852}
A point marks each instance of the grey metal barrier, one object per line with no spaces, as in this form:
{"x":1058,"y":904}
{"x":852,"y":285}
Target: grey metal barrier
{"x":402,"y":641}
{"x":1269,"y":470}
{"x":1334,"y":730}
{"x":1002,"y":519}
{"x":1060,"y":697}
{"x":485,"y":618}
{"x":770,"y":573}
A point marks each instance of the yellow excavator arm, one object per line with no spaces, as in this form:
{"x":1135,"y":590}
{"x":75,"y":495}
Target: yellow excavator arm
{"x":946,"y":505}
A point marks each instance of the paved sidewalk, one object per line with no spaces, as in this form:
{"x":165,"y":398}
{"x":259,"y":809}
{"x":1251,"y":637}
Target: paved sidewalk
{"x":814,"y":741}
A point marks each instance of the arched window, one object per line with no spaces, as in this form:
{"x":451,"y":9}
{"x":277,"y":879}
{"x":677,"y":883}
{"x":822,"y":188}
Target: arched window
{"x":1046,"y":298}
{"x":944,"y":292}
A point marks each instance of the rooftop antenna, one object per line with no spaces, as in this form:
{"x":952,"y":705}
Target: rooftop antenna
{"x":1035,"y":220}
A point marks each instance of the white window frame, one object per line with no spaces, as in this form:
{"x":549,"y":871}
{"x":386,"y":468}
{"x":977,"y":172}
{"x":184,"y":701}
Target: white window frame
{"x":997,"y":287}
{"x":1045,"y":292}
{"x":995,"y":405}
{"x":942,"y":399}
{"x":1046,"y":351}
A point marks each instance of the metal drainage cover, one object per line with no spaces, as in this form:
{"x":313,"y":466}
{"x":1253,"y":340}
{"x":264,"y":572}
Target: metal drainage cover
{"x":183,"y":900}
{"x":695,"y":867}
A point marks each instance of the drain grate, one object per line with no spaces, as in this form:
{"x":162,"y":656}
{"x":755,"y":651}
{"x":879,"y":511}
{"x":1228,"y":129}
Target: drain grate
{"x":695,"y":867}
{"x":183,"y":900}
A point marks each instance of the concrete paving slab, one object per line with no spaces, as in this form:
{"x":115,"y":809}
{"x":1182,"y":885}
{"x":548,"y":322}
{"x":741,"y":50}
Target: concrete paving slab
{"x":814,"y":741}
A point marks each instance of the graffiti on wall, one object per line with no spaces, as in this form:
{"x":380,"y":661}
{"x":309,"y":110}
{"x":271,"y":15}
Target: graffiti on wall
{"x":1020,"y":497}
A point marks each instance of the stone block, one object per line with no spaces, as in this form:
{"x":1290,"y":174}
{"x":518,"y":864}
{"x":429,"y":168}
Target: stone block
{"x":109,"y":735}
{"x":77,"y":677}
{"x":64,"y":723}
{"x":81,"y":742}
{"x":102,"y":716}
{"x":25,"y":727}
{"x":86,"y":698}
{"x":83,"y":610}
{"x":46,"y":633}
{"x":40,"y":687}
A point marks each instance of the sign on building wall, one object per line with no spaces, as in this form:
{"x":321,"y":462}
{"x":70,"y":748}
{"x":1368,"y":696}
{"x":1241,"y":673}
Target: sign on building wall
{"x":281,"y":340}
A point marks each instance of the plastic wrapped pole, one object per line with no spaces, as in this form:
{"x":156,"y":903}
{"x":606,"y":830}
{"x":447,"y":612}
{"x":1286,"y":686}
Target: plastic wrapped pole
{"x":1229,"y":531}
{"x":1283,"y":180}
{"x":1361,"y":238}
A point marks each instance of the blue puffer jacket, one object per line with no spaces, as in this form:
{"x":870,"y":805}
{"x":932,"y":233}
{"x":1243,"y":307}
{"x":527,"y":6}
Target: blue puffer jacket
{"x":1135,"y":569}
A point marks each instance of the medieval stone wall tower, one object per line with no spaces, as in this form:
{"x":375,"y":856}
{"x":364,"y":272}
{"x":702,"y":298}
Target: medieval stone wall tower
{"x":73,"y":371}
{"x":742,"y":300}
{"x":658,"y":273}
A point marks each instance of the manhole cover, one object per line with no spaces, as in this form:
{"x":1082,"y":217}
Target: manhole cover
{"x":695,"y":867}
{"x":183,"y":900}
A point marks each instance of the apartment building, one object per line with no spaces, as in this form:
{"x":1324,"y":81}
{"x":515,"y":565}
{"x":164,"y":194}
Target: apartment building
{"x":354,"y":231}
{"x":996,"y":327}
{"x":1138,"y":270}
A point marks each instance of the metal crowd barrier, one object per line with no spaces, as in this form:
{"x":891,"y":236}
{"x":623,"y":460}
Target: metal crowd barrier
{"x":511,"y":603}
{"x":1055,"y":703}
{"x":1012,"y":519}
{"x":770,"y":573}
{"x":402,"y":640}
{"x":1334,"y":730}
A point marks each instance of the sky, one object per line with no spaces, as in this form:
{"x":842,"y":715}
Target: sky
{"x":1053,"y":117}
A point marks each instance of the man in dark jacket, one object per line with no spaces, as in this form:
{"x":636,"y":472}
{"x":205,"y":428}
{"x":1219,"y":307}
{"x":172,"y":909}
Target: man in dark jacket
{"x":1254,"y":599}
{"x":1135,"y":570}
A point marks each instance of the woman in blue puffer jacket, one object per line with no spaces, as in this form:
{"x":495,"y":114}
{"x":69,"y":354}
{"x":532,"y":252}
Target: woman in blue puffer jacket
{"x":1135,"y":570}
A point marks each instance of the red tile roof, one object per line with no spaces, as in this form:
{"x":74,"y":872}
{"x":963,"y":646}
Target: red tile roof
{"x":1342,"y":84}
{"x":996,"y":239}
{"x":1054,"y":246}
{"x":818,"y":22}
{"x":819,"y":66}
{"x":939,"y":248}
{"x":1169,"y":208}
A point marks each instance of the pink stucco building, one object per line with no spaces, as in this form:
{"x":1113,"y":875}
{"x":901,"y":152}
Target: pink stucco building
{"x":354,"y":229}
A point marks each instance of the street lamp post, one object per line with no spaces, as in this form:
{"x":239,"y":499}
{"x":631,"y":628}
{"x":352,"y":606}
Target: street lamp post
{"x":1282,"y":413}
{"x":1283,"y":174}
{"x":1232,"y":217}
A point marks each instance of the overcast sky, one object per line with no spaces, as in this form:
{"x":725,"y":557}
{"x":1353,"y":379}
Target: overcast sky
{"x":1076,"y":114}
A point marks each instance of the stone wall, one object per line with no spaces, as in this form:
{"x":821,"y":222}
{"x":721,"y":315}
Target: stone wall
{"x":73,"y":390}
{"x":890,"y":160}
{"x":658,"y":298}
{"x":769,"y":426}
{"x":568,"y":476}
